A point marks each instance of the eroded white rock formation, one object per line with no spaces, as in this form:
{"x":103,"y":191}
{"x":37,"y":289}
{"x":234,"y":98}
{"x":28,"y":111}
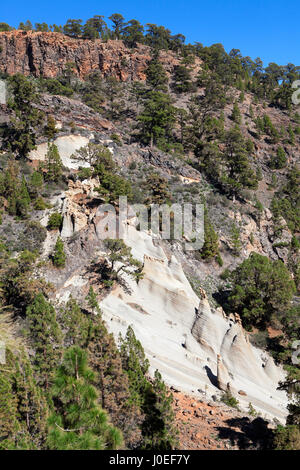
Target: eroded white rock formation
{"x":183,"y":336}
{"x":67,"y":145}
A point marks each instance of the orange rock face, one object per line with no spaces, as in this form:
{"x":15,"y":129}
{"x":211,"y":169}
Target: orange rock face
{"x":46,"y":54}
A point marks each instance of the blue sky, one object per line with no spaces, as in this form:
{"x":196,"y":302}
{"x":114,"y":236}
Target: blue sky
{"x":269,"y":29}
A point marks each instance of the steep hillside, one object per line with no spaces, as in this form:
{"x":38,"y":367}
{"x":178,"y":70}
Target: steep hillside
{"x":86,"y":121}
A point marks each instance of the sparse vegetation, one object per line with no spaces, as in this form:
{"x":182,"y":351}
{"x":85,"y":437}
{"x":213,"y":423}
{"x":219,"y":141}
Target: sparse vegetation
{"x":206,"y":125}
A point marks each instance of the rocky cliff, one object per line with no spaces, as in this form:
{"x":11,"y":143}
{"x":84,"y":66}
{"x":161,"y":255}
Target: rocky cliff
{"x":46,"y":54}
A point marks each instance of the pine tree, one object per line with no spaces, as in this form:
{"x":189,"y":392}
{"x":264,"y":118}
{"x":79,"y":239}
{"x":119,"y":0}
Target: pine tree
{"x":23,"y":200}
{"x":158,"y":427}
{"x":45,"y":335}
{"x":112,"y":381}
{"x":119,"y":253}
{"x":11,"y":185}
{"x":156,"y":75}
{"x":92,"y":301}
{"x":158,"y":187}
{"x":210,"y":247}
{"x":114,"y":92}
{"x":36,"y":184}
{"x":151,"y":397}
{"x":73,"y":28}
{"x":261,"y":288}
{"x":118,"y":23}
{"x":32,"y":404}
{"x":157,"y":118}
{"x":182,"y":80}
{"x":50,"y":128}
{"x":279,"y":161}
{"x":76,"y":323}
{"x":20,"y":134}
{"x":78,"y":423}
{"x":236,"y":114}
{"x":236,"y":171}
{"x":23,"y":407}
{"x":291,"y":135}
{"x":59,"y":256}
{"x":10,"y":428}
{"x":235,"y":236}
{"x":133,"y":33}
{"x":54,"y":165}
{"x":135,"y":364}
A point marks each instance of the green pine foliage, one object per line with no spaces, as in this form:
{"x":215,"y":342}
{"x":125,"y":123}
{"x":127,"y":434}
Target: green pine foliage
{"x":50,"y":128}
{"x":235,"y":236}
{"x":287,"y":438}
{"x":55,"y":221}
{"x":46,"y":338}
{"x":158,"y":430}
{"x":158,"y":188}
{"x":112,"y":381}
{"x":59,"y":256}
{"x":236,"y":114}
{"x":261,"y":289}
{"x":78,"y":422}
{"x":182,"y":80}
{"x":36,"y":184}
{"x":157,"y":119}
{"x":279,"y":160}
{"x":210,"y":247}
{"x":156,"y":75}
{"x":152,"y":397}
{"x":20,"y":134}
{"x":76,"y":324}
{"x":136,"y":365}
{"x":111,"y":185}
{"x":53,"y":163}
{"x":23,"y":407}
{"x":120,"y":261}
{"x":286,"y":202}
{"x":15,"y":189}
{"x":23,"y":201}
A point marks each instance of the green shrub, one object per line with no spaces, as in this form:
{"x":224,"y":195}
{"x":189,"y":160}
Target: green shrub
{"x":59,"y":256}
{"x":84,"y":173}
{"x":251,"y":410}
{"x":55,"y":221}
{"x":219,"y":260}
{"x":229,"y":400}
{"x":287,"y":438}
{"x":225,"y":274}
{"x":279,"y":161}
{"x":39,"y":204}
{"x":116,"y":138}
{"x":261,"y":288}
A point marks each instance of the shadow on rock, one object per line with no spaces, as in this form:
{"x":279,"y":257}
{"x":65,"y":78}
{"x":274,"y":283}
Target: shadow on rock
{"x":212,"y":377}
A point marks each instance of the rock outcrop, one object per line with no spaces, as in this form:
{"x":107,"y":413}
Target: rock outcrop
{"x":183,"y":337}
{"x":188,"y":341}
{"x":222,"y":375}
{"x":67,"y":145}
{"x":46,"y":54}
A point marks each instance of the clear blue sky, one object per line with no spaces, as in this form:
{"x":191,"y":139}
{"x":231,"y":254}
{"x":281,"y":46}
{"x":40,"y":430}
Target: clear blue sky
{"x":269,"y":29}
